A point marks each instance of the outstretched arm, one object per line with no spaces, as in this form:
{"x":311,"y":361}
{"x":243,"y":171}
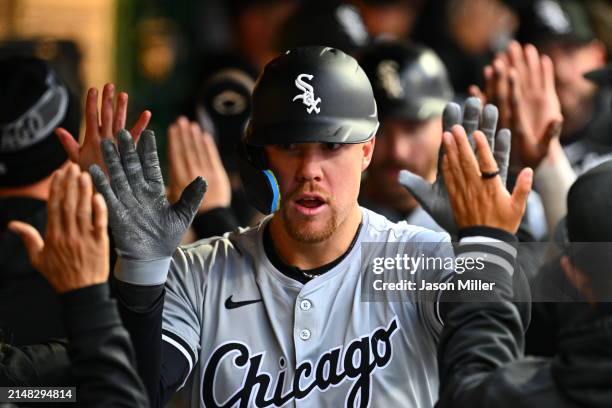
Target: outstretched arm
{"x":73,"y":257}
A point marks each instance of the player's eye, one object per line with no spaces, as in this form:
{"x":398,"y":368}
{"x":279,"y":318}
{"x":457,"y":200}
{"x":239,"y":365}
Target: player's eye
{"x":333,"y":146}
{"x":286,"y":146}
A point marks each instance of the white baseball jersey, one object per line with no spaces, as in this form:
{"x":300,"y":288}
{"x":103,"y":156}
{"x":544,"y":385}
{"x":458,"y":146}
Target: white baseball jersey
{"x":255,"y":337}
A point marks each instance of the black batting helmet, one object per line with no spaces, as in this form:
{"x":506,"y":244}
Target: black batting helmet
{"x":306,"y":95}
{"x":409,"y":81}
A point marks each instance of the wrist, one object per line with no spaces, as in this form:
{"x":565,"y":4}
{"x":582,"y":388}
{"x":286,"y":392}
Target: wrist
{"x":142,"y":273}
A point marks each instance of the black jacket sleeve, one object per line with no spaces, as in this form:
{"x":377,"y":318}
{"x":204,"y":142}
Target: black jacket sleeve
{"x":43,"y":365}
{"x":101,"y":355}
{"x":161,"y":366}
{"x":482,"y":330}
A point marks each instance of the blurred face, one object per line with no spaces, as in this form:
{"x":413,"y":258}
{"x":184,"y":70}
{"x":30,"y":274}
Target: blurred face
{"x":319,"y":184}
{"x":571,"y":62}
{"x":402,"y":144}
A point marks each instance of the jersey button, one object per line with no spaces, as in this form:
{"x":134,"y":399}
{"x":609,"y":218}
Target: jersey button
{"x":305,"y":305}
{"x":304,"y":334}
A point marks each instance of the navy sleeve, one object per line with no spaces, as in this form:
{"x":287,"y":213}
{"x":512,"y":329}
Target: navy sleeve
{"x":161,"y":366}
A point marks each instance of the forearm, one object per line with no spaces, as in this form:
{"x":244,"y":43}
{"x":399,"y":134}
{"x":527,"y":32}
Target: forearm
{"x":102,"y":358}
{"x":482,"y":332}
{"x":552,"y":179}
{"x":161,"y":367}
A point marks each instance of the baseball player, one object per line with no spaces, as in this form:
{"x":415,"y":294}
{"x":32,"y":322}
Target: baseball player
{"x":273,"y":315}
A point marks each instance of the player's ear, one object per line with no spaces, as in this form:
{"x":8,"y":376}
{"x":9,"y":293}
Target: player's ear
{"x":368,"y":150}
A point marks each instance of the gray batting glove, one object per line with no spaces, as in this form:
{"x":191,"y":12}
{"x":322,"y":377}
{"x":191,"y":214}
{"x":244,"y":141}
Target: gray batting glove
{"x":434,"y":197}
{"x":145,"y":226}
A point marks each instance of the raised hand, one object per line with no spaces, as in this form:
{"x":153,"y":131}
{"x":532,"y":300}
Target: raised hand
{"x":193,"y":153}
{"x":434,"y":197}
{"x":522,"y":84}
{"x":476,"y":198}
{"x":145,"y":226}
{"x":100,"y":126}
{"x":74,"y":253}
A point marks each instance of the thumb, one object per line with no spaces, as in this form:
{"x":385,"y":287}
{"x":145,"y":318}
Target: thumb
{"x":522,"y":189}
{"x":416,"y":185}
{"x":69,"y":143}
{"x":31,"y":239}
{"x":192,"y":195}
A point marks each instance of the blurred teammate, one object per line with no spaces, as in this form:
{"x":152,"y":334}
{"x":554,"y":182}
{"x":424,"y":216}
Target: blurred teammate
{"x":74,"y":258}
{"x":485,"y":367}
{"x":562,"y":30}
{"x":411,"y":88}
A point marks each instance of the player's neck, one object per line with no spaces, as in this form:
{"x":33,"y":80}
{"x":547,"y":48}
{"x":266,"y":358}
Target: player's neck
{"x":313,"y":255}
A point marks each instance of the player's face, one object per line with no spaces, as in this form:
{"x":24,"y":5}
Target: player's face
{"x":571,"y":62}
{"x":403,"y":144}
{"x":319,"y":185}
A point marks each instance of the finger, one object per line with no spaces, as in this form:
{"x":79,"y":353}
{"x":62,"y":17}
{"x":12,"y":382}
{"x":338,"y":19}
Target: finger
{"x":451,"y":185}
{"x":118,"y":179}
{"x":548,"y":75}
{"x":475,"y":91}
{"x":452,"y":153}
{"x":71,"y":198}
{"x":516,"y":99}
{"x":177,"y":165}
{"x":147,"y":152}
{"x":451,"y":116}
{"x":517,"y":60}
{"x":100,"y":215}
{"x":120,"y":112}
{"x":212,"y":151}
{"x":486,"y":161}
{"x":84,"y":205}
{"x":203,"y":155}
{"x":102,"y":185}
{"x":31,"y":239}
{"x":471,"y":117}
{"x":489,"y":123}
{"x":487,"y":73}
{"x":532,"y":59}
{"x":466,"y":156}
{"x":56,"y":192}
{"x":69,"y":143}
{"x":92,"y":122}
{"x":417,"y":186}
{"x":187,"y":206}
{"x":108,"y":94}
{"x":501,"y":89}
{"x":186,"y":144}
{"x":140,"y":125}
{"x":501,"y":153}
{"x":522,"y":189}
{"x":131,"y":163}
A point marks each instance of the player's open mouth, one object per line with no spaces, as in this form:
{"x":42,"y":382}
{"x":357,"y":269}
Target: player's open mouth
{"x":309,"y":204}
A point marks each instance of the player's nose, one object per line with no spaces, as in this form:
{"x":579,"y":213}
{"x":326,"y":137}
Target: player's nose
{"x":309,"y":166}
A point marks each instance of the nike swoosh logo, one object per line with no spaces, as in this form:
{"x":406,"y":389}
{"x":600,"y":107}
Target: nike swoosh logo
{"x":230,"y":304}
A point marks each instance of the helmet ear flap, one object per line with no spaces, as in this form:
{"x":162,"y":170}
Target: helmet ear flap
{"x":259,"y":183}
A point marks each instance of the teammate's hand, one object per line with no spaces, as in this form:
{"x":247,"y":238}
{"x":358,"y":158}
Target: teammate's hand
{"x":74,"y":253}
{"x":434,"y":197}
{"x":193,"y":153}
{"x":477,"y":200}
{"x":98,"y":127}
{"x":144,"y":224}
{"x":522,"y":84}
